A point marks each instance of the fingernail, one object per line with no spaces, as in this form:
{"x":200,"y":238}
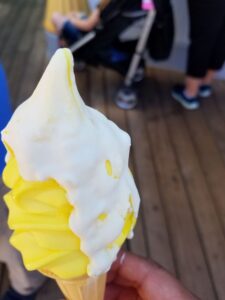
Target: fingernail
{"x":122,"y":258}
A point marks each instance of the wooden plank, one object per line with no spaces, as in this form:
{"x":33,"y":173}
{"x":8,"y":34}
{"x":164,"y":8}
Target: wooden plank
{"x":209,"y":230}
{"x":139,"y":244}
{"x":34,"y":70}
{"x":21,"y":24}
{"x":9,"y":22}
{"x":35,"y":23}
{"x":190,"y":263}
{"x":219,"y":91}
{"x":5,"y":9}
{"x":216,"y":123}
{"x":211,"y":161}
{"x":21,"y":57}
{"x":9,"y":55}
{"x":201,"y":200}
{"x":83,"y":84}
{"x":97,"y":97}
{"x":209,"y":156}
{"x":153,"y":213}
{"x":111,"y":84}
{"x":213,"y":168}
{"x":13,"y":37}
{"x":206,"y":217}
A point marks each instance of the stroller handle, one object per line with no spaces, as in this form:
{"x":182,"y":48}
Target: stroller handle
{"x":148,"y":5}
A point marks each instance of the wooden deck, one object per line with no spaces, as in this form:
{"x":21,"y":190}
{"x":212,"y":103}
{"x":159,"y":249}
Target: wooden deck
{"x":178,"y":157}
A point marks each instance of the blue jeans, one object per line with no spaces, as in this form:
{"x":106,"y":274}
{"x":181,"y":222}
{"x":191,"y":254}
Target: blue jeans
{"x":70,"y":33}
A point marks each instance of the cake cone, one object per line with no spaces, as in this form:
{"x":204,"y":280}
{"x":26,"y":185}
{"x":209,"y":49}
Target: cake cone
{"x":91,"y":288}
{"x":85,"y":288}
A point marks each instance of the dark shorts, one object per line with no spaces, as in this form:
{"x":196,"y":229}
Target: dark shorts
{"x":70,"y":33}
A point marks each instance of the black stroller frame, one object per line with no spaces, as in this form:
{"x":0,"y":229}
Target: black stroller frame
{"x":127,"y":95}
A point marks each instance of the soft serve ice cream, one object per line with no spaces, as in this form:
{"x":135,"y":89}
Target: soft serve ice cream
{"x":73,"y":200}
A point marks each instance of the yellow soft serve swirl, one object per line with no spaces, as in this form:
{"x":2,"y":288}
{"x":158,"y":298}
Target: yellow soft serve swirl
{"x":73,"y":200}
{"x":38,"y":214}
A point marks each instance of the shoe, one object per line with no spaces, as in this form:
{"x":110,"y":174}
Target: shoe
{"x":205,"y":91}
{"x":188,"y":103}
{"x":11,"y":294}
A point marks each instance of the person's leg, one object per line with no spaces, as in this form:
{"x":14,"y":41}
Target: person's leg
{"x":208,"y":79}
{"x":22,"y":281}
{"x":58,"y":20}
{"x":206,"y":20}
{"x":192,"y":85}
{"x":205,"y":90}
{"x":218,"y":55}
{"x":67,"y":32}
{"x":216,"y":62}
{"x":70,"y":33}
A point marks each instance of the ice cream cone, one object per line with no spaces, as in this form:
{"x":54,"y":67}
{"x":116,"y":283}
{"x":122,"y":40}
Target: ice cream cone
{"x":85,"y":288}
{"x":72,"y":203}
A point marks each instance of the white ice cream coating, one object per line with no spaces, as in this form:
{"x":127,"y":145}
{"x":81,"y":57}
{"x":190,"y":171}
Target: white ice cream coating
{"x":55,"y":135}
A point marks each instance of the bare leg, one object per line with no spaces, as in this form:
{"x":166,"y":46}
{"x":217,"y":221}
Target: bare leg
{"x":22,"y":281}
{"x":58,"y":20}
{"x":208,"y":79}
{"x":192,"y":86}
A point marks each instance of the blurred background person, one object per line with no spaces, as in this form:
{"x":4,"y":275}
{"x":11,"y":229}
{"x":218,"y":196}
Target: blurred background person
{"x":72,"y":26}
{"x":206,"y":53}
{"x":65,"y":8}
{"x":24,"y":285}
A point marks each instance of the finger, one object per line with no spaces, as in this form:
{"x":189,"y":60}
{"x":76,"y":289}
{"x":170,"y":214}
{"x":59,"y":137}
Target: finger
{"x":112,"y":292}
{"x":128,"y":270}
{"x":115,"y":292}
{"x":151,"y":281}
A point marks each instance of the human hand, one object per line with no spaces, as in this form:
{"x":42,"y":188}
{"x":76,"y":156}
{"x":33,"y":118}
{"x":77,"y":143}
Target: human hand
{"x":71,"y":18}
{"x":134,"y":278}
{"x":72,"y":15}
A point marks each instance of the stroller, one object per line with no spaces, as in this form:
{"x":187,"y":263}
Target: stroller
{"x":119,"y":42}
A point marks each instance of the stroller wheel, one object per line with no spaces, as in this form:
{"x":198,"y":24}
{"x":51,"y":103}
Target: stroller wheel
{"x":126,"y":98}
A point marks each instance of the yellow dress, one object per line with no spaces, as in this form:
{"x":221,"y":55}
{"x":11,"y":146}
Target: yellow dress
{"x":64,"y":7}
